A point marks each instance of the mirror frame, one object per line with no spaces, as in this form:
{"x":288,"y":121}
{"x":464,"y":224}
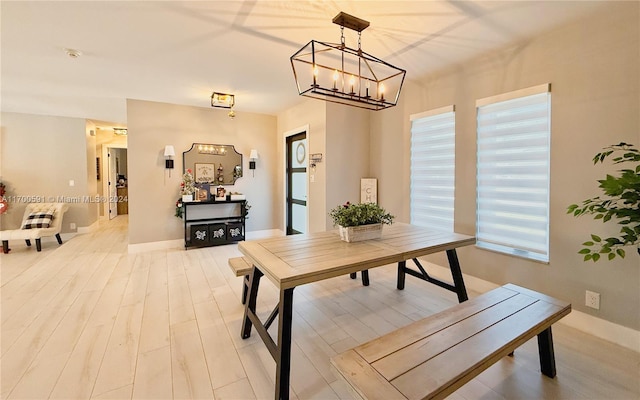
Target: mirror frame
{"x":226,"y":168}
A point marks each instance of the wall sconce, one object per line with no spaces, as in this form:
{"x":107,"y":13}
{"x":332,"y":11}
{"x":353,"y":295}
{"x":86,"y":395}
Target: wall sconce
{"x":120,"y":131}
{"x":253,"y":156}
{"x":315,"y":158}
{"x":169,"y":152}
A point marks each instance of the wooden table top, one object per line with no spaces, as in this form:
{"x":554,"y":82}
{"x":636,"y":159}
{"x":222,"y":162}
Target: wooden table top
{"x":290,"y":261}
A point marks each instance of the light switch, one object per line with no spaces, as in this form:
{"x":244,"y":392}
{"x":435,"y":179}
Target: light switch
{"x":72,"y":182}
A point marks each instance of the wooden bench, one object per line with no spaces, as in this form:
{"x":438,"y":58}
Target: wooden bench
{"x":433,"y":357}
{"x":241,"y":266}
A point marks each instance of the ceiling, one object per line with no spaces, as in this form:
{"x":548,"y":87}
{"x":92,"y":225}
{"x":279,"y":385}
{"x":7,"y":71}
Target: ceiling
{"x":179,"y":52}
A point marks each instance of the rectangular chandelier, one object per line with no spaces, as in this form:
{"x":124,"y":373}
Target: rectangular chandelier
{"x":337,"y":73}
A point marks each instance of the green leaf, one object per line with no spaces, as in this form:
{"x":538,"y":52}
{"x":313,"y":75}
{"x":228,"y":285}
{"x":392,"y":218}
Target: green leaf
{"x":606,"y":218}
{"x":598,"y":216}
{"x":587,"y":244}
{"x":620,"y":252}
{"x":596,"y":238}
{"x":605,"y":250}
{"x":587,"y":257}
{"x":584,"y":251}
{"x":595,"y":257}
{"x":612,"y":256}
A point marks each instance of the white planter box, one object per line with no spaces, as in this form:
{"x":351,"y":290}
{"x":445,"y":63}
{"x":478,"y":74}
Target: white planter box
{"x":238,"y":197}
{"x":187,"y":198}
{"x":359,"y":233}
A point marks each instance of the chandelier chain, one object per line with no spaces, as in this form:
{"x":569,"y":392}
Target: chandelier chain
{"x":359,"y":40}
{"x":342,"y":35}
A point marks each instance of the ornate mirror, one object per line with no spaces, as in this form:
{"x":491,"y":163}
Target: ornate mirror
{"x":218,"y":164}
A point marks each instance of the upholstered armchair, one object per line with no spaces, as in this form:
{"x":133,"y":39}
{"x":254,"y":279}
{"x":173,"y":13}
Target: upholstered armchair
{"x":39,"y":220}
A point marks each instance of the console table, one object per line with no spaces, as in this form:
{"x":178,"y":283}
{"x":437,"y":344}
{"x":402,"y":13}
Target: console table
{"x":207,"y":223}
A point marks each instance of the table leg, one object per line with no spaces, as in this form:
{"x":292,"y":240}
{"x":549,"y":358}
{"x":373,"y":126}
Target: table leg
{"x":283,"y":361}
{"x":365,"y":277}
{"x":547,"y":356}
{"x":456,"y":274}
{"x":250,"y":305}
{"x":401,"y":274}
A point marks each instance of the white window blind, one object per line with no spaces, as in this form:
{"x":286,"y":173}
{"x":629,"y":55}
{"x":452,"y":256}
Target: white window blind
{"x":433,"y":168}
{"x":513,"y":173}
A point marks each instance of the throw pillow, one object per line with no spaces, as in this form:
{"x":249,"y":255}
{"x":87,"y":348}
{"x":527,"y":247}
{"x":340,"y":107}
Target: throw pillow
{"x":37,"y":220}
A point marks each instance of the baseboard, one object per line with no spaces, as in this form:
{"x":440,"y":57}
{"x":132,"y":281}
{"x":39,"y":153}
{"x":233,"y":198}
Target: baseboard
{"x":179,"y":243}
{"x":152,"y":246}
{"x":88,"y":229}
{"x":267,"y":233}
{"x":609,"y":331}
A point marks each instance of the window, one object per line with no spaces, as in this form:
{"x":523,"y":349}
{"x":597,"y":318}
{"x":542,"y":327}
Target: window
{"x":513,"y":173}
{"x":433,"y":168}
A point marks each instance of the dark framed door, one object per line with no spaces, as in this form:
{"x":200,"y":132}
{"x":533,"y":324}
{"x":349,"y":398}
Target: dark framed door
{"x":296,"y":183}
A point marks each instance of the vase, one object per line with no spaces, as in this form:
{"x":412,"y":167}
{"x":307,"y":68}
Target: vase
{"x":186,"y":198}
{"x":360,"y":232}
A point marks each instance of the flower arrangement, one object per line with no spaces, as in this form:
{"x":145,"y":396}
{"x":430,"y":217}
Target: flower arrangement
{"x":349,"y":214}
{"x":4,"y":205}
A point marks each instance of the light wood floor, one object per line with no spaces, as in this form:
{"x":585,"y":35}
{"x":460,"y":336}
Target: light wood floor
{"x":87,"y":320}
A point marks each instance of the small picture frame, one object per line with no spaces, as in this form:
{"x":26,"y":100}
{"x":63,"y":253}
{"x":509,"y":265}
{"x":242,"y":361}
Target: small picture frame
{"x":221,"y":193}
{"x":204,"y":172}
{"x":202,"y":192}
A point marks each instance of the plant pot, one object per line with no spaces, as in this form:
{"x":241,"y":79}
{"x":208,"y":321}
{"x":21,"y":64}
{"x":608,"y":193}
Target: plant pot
{"x":361,"y":232}
{"x":186,"y":198}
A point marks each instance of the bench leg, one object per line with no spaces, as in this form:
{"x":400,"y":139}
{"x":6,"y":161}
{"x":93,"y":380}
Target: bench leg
{"x":365,"y":277}
{"x":245,"y":288}
{"x":5,"y":247}
{"x":401,"y":274}
{"x":547,"y":356}
{"x":353,"y":275}
{"x":58,"y":238}
{"x":28,"y":242}
{"x":38,"y":244}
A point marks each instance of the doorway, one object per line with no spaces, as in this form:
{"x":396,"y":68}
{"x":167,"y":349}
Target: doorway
{"x":296,"y":183}
{"x":115,"y":186}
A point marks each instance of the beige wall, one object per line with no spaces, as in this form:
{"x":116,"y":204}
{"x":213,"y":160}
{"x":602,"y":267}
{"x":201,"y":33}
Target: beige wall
{"x":40,"y":155}
{"x":311,"y":113}
{"x":341,"y":135}
{"x":347,"y":156}
{"x":593,"y":67}
{"x":153,"y":194}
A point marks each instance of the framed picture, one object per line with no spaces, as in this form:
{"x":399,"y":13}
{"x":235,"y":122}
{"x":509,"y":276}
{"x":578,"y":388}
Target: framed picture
{"x":202,"y":193}
{"x":205,"y":172}
{"x":220,"y":192}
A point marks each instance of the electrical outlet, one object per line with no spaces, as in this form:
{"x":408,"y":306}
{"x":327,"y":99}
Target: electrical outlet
{"x":592,"y":299}
{"x":72,"y":225}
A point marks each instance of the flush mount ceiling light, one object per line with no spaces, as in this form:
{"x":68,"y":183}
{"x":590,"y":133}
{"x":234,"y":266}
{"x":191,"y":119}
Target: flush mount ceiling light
{"x":222,"y":100}
{"x":120,"y":131}
{"x":340,"y":74}
{"x":73,"y":53}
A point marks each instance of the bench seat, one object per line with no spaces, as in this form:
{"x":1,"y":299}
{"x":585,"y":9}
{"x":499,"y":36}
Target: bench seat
{"x":241,"y":266}
{"x":433,"y":357}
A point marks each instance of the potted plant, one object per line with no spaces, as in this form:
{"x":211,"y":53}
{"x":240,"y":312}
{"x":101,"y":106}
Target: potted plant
{"x":621,"y":201}
{"x":360,"y":221}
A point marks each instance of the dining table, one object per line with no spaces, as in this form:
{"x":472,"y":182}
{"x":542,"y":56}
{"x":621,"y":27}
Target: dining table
{"x":291,"y":261}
